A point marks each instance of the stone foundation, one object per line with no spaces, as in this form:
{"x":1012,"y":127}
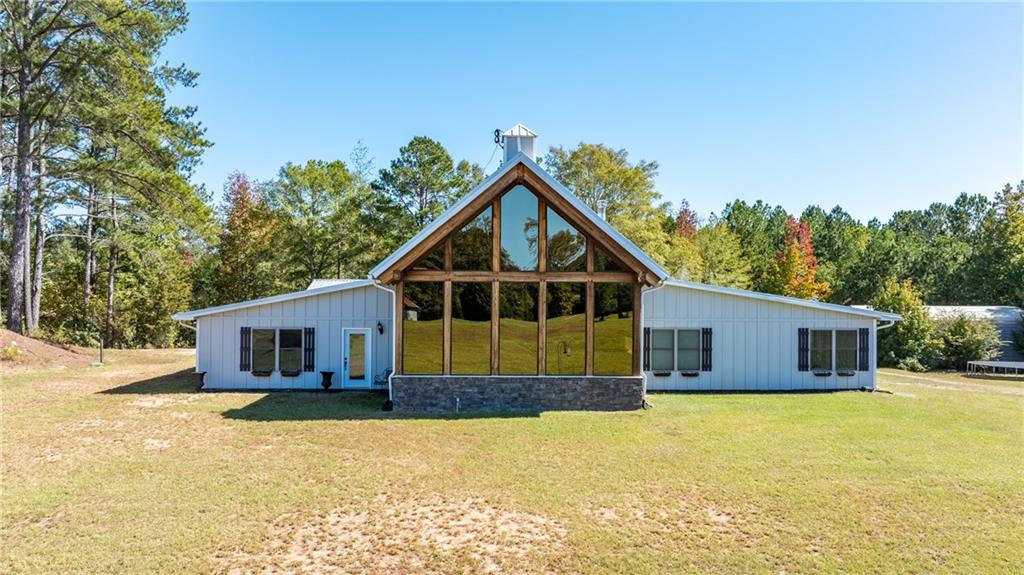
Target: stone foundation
{"x":424,"y":393}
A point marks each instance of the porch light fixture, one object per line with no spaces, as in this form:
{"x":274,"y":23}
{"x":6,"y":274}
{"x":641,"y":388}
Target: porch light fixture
{"x":380,"y":328}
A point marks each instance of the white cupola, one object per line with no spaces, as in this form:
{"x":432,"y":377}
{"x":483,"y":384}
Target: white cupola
{"x":519,"y":138}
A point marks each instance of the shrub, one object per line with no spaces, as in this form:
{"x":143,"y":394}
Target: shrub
{"x":965,"y":339}
{"x":910,"y":343}
{"x":910,"y":364}
{"x":10,"y":352}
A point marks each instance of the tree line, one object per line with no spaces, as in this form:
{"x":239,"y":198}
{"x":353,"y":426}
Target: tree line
{"x":103,"y":236}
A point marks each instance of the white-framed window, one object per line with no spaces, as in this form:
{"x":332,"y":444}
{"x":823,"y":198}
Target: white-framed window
{"x":821,"y":350}
{"x":675,"y":349}
{"x":834,"y":348}
{"x":663,"y":345}
{"x":846,"y":349}
{"x":688,"y":350}
{"x":277,"y":349}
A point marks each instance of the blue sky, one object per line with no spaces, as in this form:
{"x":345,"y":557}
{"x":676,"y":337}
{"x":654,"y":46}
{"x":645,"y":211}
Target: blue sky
{"x":874,"y":107}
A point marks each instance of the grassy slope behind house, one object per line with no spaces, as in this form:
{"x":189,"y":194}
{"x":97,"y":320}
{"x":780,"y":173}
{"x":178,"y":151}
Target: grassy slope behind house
{"x":123,"y":469}
{"x":471,"y":343}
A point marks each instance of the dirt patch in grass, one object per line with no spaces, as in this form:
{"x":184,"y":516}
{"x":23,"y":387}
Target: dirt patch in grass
{"x":35,"y":353}
{"x":392,"y":535}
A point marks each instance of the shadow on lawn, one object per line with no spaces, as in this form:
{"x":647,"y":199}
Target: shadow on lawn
{"x":346,"y":405}
{"x":182,"y":381}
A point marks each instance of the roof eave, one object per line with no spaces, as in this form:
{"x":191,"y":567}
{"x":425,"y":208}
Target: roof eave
{"x":195,"y":314}
{"x":786,"y":300}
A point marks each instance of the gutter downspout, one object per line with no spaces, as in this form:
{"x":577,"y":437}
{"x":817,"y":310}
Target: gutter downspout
{"x":643,"y":306}
{"x":394,"y":321}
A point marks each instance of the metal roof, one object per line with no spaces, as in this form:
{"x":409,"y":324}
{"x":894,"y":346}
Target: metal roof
{"x":998,"y":313}
{"x":324,"y":282}
{"x":344,"y":285}
{"x":561,"y":190}
{"x":519,"y":131}
{"x":863,"y":312}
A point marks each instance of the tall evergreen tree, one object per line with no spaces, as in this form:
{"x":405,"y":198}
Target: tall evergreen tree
{"x":722,"y":257}
{"x":420,"y":184}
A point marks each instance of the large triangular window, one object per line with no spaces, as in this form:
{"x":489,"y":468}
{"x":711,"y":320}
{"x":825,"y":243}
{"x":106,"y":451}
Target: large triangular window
{"x":434,"y":260}
{"x":519,"y":230}
{"x":604,"y":262}
{"x":471,"y":245}
{"x":567,"y":246}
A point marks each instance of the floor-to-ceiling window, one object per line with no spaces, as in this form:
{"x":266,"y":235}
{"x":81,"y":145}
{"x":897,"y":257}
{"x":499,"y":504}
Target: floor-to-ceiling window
{"x":518,"y":289}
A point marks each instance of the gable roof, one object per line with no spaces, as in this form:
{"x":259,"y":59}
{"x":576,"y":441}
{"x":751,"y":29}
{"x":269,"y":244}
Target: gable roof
{"x":819,"y":305}
{"x":310,"y":292}
{"x":520,"y":131}
{"x":520,"y":159}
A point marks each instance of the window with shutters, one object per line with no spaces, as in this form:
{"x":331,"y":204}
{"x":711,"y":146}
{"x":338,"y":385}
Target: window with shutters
{"x":821,"y":349}
{"x":663,"y":347}
{"x":290,"y":352}
{"x":688,"y":354}
{"x":846,"y":349}
{"x":264,"y":351}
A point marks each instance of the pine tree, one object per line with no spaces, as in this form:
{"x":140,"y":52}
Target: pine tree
{"x":722,"y":257}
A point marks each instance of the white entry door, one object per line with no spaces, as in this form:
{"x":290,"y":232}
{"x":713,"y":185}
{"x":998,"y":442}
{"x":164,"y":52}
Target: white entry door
{"x":357,"y":371}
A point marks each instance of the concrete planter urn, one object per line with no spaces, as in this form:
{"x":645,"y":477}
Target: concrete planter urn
{"x":327,"y":376}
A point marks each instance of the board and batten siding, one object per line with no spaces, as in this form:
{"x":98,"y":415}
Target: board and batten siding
{"x":754,"y":342}
{"x":218,"y":337}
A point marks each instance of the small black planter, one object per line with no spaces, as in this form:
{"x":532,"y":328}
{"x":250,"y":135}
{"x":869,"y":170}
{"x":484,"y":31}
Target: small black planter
{"x":388,"y":406}
{"x":198,"y":378}
{"x":327,"y":375}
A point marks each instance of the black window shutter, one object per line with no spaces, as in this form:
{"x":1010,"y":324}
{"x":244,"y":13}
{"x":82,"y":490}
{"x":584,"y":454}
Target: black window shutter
{"x":245,"y":350}
{"x":309,"y":350}
{"x":863,"y":334}
{"x":803,"y":349}
{"x":705,"y":349}
{"x":647,"y":349}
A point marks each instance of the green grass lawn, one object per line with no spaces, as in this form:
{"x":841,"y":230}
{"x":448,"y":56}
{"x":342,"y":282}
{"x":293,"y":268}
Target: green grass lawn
{"x":122,"y":468}
{"x":956,"y":378}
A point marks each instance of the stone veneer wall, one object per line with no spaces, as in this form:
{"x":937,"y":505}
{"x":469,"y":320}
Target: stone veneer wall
{"x":420,"y":393}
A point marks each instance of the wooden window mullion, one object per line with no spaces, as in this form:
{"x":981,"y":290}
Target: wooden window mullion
{"x":542,"y":235}
{"x":446,"y":353}
{"x":542,"y":327}
{"x":399,"y":320}
{"x":495,"y":317}
{"x":636,"y":330}
{"x":590,"y":328}
{"x":448,"y":254}
{"x":496,"y":236}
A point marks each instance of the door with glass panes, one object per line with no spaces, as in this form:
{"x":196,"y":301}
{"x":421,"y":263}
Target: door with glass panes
{"x":356,"y":369}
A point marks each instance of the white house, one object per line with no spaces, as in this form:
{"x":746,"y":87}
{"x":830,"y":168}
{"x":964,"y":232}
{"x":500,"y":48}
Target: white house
{"x":519,"y":296}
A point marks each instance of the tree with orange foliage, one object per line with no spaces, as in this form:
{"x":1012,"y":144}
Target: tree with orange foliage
{"x":795,"y":270}
{"x":247,"y":244}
